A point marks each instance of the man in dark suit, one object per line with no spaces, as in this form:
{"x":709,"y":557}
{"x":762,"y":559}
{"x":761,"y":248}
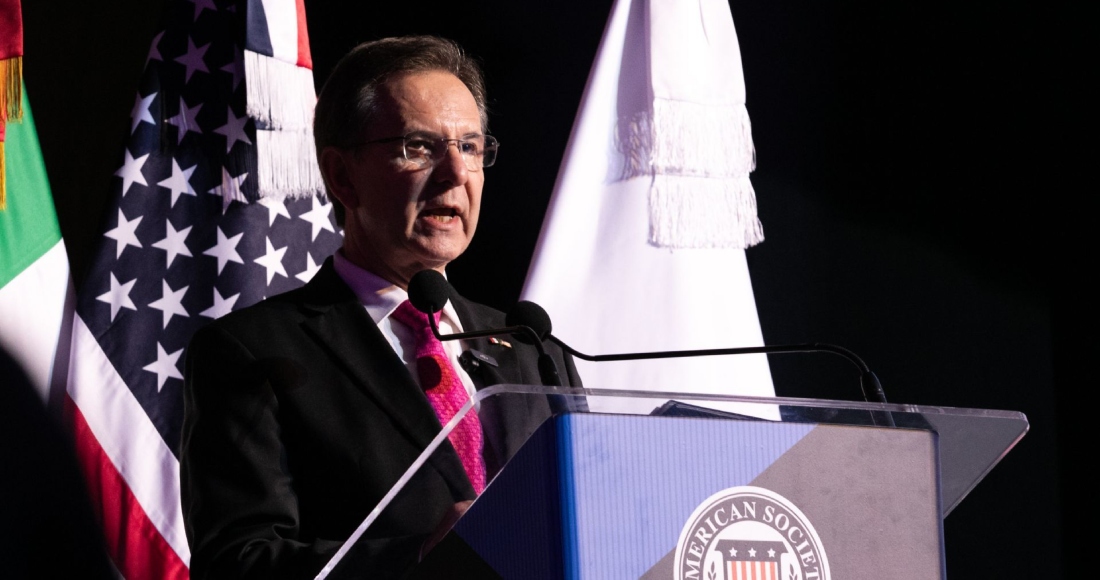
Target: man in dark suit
{"x":304,"y":410}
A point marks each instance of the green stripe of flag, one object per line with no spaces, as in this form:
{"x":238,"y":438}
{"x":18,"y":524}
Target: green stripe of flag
{"x":28,"y":227}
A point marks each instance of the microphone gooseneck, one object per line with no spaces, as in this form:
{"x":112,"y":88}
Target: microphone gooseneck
{"x":532,"y":315}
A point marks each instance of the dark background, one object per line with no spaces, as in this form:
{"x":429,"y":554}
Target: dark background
{"x":921,"y":181}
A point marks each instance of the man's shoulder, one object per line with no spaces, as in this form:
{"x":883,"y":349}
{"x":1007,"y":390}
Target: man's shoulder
{"x":280,"y":305}
{"x":324,"y":291}
{"x":271,"y":317}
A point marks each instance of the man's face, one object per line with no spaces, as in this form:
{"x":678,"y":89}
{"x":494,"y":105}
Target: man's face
{"x":402,"y":219}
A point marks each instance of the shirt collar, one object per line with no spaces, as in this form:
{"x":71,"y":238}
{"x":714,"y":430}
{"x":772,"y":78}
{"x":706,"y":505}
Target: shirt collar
{"x":380,"y":296}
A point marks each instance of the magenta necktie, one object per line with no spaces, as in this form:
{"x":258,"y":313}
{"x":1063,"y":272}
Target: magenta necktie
{"x":445,"y":392}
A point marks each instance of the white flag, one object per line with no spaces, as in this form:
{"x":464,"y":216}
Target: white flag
{"x":643,"y":245}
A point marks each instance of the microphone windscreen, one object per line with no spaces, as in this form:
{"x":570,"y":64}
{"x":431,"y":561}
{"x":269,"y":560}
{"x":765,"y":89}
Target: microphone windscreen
{"x":429,"y":291}
{"x":531,"y":315}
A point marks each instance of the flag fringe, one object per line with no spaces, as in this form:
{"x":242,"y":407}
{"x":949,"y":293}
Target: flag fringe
{"x":287,"y":165}
{"x":702,"y":212}
{"x":11,"y":109}
{"x":11,"y":89}
{"x":280,"y":95}
{"x":3,"y":179}
{"x":692,"y":141}
{"x":685,"y":138}
{"x":699,"y":157}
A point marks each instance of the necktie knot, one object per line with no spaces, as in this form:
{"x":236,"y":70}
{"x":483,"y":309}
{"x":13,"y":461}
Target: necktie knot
{"x":408,"y":315}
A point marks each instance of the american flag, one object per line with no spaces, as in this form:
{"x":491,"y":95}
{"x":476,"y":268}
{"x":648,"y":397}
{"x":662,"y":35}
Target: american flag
{"x":217,"y":204}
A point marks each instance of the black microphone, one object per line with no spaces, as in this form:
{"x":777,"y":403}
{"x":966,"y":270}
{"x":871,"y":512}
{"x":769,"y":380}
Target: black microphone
{"x":528,"y":314}
{"x":429,"y":292}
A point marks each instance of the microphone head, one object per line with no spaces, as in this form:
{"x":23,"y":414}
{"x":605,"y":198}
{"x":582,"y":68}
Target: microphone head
{"x":531,"y":315}
{"x":429,"y":291}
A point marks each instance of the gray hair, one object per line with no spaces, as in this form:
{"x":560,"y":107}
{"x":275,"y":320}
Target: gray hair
{"x":347,"y":101}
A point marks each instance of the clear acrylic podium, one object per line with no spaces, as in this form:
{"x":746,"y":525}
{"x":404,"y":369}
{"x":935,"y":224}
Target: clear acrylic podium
{"x":798,"y":488}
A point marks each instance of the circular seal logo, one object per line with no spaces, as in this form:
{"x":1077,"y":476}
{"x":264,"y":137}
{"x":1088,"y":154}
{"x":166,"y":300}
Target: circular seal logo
{"x":749,"y":533}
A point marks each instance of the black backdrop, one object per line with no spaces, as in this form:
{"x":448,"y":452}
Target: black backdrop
{"x":920,"y":179}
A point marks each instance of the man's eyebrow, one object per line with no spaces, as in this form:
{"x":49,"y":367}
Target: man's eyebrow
{"x":437,"y":135}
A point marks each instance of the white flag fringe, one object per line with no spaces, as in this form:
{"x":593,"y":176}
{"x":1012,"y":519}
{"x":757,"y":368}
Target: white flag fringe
{"x":691,"y":124}
{"x":280,"y":100}
{"x":606,"y":285}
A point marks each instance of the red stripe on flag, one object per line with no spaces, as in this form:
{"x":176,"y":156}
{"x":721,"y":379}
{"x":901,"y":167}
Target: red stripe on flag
{"x":133,"y":542}
{"x":304,"y":58}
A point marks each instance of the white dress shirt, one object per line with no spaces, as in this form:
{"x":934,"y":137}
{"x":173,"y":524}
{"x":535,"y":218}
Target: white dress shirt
{"x":381,"y":297}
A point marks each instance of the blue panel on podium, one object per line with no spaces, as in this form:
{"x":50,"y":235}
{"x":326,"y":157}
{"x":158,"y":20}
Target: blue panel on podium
{"x":636,"y":472}
{"x":572,"y":503}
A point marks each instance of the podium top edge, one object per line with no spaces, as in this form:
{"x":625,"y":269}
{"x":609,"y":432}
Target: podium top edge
{"x":589,"y":393}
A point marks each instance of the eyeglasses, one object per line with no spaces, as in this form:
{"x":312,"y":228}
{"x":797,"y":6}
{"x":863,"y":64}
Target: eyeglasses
{"x":424,"y":149}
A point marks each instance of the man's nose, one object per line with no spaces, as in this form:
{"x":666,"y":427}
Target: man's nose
{"x":452,"y":166}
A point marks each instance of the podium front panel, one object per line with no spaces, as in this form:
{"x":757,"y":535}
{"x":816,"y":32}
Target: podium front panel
{"x":627,"y":488}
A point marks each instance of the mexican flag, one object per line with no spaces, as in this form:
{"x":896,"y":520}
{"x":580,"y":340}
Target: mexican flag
{"x":35,"y":284}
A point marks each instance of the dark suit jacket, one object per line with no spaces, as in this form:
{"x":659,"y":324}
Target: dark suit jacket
{"x":299,"y":417}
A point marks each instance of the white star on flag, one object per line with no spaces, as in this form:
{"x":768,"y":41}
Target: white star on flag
{"x":192,"y":60}
{"x":222,"y":306}
{"x":233,"y":129}
{"x":165,"y":366}
{"x":185,"y":121}
{"x":154,"y":51}
{"x":752,"y":552}
{"x":170,"y":303}
{"x":275,"y":208}
{"x":230,"y":189}
{"x":118,"y":296}
{"x":225,"y":250}
{"x":174,"y":243}
{"x":179,"y":182}
{"x":318,"y":216}
{"x":130,"y":172}
{"x":311,"y":269}
{"x":272,"y":260}
{"x":140,"y":112}
{"x":125,"y":233}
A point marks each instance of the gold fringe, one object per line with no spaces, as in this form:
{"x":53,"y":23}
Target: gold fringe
{"x":11,"y":89}
{"x":3,"y":178}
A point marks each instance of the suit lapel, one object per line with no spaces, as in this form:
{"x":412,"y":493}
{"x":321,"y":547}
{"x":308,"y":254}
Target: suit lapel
{"x":507,"y":370}
{"x":506,"y":420}
{"x":341,"y":324}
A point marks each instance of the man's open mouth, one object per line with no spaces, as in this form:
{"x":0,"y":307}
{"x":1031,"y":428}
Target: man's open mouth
{"x":440,"y":214}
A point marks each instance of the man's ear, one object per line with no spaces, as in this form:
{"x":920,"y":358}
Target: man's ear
{"x":337,"y":174}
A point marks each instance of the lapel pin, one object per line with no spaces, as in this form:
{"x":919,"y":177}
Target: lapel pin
{"x":504,"y":343}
